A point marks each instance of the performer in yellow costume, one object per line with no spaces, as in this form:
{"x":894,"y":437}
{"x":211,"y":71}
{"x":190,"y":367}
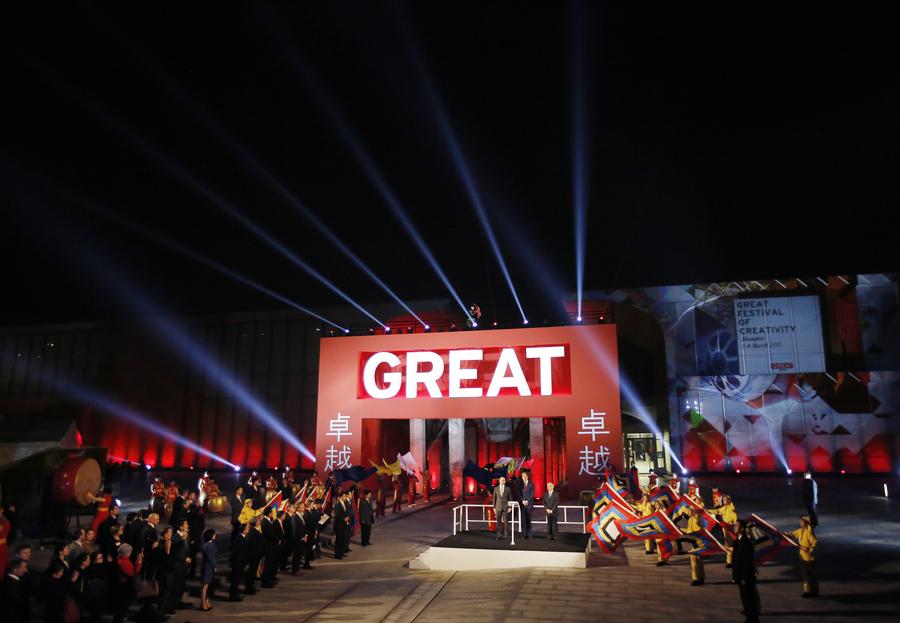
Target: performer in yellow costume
{"x":728,"y":516}
{"x":807,"y":541}
{"x":698,"y":575}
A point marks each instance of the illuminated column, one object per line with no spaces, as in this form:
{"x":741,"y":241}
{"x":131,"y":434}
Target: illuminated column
{"x":417,"y":445}
{"x":536,"y":448}
{"x":456,"y":430}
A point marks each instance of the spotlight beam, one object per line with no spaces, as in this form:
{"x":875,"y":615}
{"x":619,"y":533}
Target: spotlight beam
{"x":462,"y":167}
{"x":363,"y":158}
{"x":580,"y":154}
{"x":156,"y":154}
{"x":211,"y":263}
{"x":254,"y":163}
{"x":118,"y":410}
{"x":177,"y":338}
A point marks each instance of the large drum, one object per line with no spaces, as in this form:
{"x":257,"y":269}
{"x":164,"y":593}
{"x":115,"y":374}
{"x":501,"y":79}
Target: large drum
{"x":75,"y":480}
{"x":216,"y":504}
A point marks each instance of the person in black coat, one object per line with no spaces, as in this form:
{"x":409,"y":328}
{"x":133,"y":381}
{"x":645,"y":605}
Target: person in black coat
{"x":311,"y":537}
{"x":811,"y":498}
{"x":196,"y":520}
{"x":14,"y":604}
{"x":256,"y":549}
{"x":237,"y":559}
{"x":551,"y":503}
{"x":366,"y":518}
{"x":298,"y":531}
{"x":236,"y":502}
{"x":743,"y":571}
{"x":287,"y":546}
{"x":106,"y":524}
{"x":273,"y":533}
{"x":526,"y":498}
{"x":175,"y":567}
{"x":341,"y":519}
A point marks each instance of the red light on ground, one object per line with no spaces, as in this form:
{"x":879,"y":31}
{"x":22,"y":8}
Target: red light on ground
{"x":471,"y":486}
{"x":78,"y":438}
{"x":843,"y":471}
{"x":737,"y":471}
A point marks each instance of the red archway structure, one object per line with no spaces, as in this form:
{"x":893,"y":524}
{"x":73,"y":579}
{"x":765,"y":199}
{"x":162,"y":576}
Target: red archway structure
{"x":566,"y":372}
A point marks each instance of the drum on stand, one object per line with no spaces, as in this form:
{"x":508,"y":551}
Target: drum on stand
{"x":76,"y":481}
{"x":216,"y":504}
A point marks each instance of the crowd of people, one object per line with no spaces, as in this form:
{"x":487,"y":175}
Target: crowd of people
{"x":140,"y":565}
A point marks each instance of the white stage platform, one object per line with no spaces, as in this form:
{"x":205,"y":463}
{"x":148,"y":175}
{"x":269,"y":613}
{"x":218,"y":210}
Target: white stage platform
{"x":482,"y":550}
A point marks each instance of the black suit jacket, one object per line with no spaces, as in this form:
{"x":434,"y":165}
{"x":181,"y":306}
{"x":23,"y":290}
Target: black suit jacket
{"x":237,"y":505}
{"x":238,"y":555}
{"x":366,"y":516}
{"x":298,"y":527}
{"x":14,"y":604}
{"x":743,"y":568}
{"x":551,"y":500}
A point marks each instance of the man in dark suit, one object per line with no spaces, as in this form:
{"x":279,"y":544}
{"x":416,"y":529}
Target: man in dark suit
{"x":14,"y":606}
{"x":273,"y":534}
{"x":237,"y":559}
{"x":743,"y":572}
{"x":341,"y":527}
{"x":287,"y":545}
{"x":236,"y":502}
{"x":366,"y":518}
{"x":312,"y":536}
{"x":106,"y":524}
{"x":527,"y":501}
{"x":501,"y":507}
{"x":551,"y":503}
{"x":811,"y":498}
{"x":297,"y":525}
{"x":256,"y":548}
{"x":314,"y":528}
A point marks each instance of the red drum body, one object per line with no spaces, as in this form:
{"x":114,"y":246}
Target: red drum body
{"x":75,"y":479}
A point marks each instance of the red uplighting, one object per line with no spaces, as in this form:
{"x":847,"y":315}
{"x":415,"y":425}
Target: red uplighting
{"x":843,"y":471}
{"x":737,"y":471}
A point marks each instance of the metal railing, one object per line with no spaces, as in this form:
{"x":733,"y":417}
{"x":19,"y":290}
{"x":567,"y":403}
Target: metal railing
{"x":484,"y":514}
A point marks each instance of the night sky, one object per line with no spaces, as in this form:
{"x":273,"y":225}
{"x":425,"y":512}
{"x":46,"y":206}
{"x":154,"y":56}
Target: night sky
{"x":723,"y":143}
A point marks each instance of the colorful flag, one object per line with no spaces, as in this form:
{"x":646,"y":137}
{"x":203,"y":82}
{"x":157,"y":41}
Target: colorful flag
{"x":619,"y":484}
{"x":356,"y":473}
{"x":408,"y":463}
{"x":679,"y":510}
{"x":665,"y":493}
{"x":702,"y":543}
{"x":767,"y":539}
{"x":656,"y":525}
{"x":604,"y":529}
{"x":391,"y":469}
{"x":605,"y":495}
{"x":274,"y":502}
{"x":665,"y":548}
{"x":478,"y":474}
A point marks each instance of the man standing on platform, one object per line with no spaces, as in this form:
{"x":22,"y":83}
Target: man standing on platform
{"x":501,"y":507}
{"x":527,"y":502}
{"x":811,"y":498}
{"x":551,"y":502}
{"x":366,"y":518}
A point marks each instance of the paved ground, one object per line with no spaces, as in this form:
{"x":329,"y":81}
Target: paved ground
{"x":859,"y":567}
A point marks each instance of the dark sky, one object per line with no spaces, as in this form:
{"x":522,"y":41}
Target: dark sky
{"x":725,"y":143}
